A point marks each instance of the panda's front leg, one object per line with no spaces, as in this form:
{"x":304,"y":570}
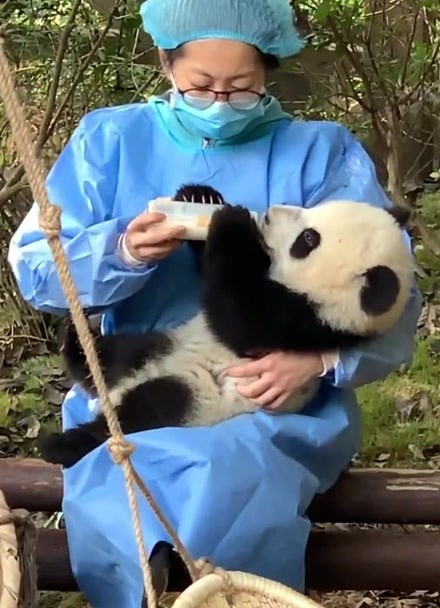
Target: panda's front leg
{"x":236,"y":268}
{"x":234,"y":247}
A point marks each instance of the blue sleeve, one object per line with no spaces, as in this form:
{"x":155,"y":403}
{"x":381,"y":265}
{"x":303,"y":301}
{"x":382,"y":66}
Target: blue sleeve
{"x":84,"y":182}
{"x":350,"y":174}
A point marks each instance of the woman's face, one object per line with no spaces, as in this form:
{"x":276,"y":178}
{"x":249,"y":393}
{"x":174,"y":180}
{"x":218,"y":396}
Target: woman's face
{"x":220,"y":65}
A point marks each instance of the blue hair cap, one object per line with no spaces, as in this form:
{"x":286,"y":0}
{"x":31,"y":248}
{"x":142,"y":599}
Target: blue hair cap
{"x":268,"y":25}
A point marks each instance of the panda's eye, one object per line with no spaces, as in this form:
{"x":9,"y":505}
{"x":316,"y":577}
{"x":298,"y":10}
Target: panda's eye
{"x":305,"y":243}
{"x":310,"y":237}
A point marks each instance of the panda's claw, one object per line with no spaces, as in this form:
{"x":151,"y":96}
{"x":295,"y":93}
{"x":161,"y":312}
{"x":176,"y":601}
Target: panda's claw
{"x":196,"y":193}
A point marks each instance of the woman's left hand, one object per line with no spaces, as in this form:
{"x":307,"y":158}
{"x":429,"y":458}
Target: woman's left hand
{"x":279,"y":375}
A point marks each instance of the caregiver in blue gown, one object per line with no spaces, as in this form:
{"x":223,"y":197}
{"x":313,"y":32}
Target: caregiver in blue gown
{"x":238,"y":492}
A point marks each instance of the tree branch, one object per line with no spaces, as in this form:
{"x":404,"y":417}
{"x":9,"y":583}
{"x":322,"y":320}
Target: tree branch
{"x":80,"y":72}
{"x":59,"y":59}
{"x":15,"y":179}
{"x":50,"y":120}
{"x":354,"y":59}
{"x":7,"y":192}
{"x":409,"y":46}
{"x":409,"y":96}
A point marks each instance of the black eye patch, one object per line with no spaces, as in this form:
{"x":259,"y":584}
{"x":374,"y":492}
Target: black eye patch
{"x":305,"y":243}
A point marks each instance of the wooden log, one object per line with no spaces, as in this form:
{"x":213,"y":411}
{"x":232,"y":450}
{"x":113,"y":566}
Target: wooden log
{"x":385,"y":496}
{"x":336,"y":560}
{"x":355,"y":560}
{"x":31,"y":484}
{"x":374,"y":559}
{"x":360,"y":496}
{"x":53,"y":562}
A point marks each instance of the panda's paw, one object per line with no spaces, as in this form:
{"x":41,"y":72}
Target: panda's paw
{"x":66,"y":448}
{"x":74,"y":358}
{"x":230,"y":218}
{"x":70,"y":341}
{"x":234,"y":235}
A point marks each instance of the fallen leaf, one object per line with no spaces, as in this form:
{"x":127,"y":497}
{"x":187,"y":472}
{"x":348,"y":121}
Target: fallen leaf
{"x":425,"y":404}
{"x":52,"y":395}
{"x":54,"y":372}
{"x":365,"y":601}
{"x":416,"y":451}
{"x":383,"y":457}
{"x":405,"y":408}
{"x":33,"y":426}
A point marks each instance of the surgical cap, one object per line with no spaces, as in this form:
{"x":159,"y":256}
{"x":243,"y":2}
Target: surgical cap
{"x":265,"y":24}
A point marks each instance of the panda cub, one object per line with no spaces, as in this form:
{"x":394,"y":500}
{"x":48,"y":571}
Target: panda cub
{"x":298,"y":280}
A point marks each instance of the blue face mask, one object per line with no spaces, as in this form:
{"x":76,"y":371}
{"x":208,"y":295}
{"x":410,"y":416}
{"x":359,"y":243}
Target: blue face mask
{"x":219,"y":121}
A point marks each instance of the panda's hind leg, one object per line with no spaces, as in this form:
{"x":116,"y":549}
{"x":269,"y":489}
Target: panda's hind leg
{"x":153,"y":404}
{"x":118,"y":355}
{"x":157,"y":403}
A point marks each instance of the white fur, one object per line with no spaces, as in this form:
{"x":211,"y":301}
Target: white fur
{"x":200,"y":360}
{"x":354,"y":237}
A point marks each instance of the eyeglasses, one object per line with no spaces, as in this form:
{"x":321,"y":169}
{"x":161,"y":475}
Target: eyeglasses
{"x":238,"y":99}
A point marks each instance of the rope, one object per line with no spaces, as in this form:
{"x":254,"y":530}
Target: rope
{"x":50,"y":224}
{"x":206,"y":567}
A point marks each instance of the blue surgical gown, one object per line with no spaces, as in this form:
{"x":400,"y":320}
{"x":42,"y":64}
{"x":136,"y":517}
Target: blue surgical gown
{"x":238,"y":492}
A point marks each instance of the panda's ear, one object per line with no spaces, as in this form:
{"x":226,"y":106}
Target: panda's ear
{"x":400,"y":214}
{"x":380,"y":291}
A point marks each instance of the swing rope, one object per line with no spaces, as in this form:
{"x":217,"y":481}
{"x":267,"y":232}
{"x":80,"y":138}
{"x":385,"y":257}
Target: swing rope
{"x":50,"y":223}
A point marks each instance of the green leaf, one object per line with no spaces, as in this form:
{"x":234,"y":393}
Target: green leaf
{"x":323,"y":11}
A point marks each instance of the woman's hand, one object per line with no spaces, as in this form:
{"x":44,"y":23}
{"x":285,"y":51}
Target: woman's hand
{"x":146,"y":241}
{"x":279,"y":375}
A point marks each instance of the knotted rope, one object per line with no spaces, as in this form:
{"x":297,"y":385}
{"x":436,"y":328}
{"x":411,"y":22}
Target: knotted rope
{"x":50,"y":223}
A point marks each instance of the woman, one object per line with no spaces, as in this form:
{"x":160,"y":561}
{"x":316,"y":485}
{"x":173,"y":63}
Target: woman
{"x":238,"y":492}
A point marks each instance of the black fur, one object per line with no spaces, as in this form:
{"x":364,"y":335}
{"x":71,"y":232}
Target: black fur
{"x":380,"y":290}
{"x":305,"y":243}
{"x":402,"y":215}
{"x":245,"y":309}
{"x":155,"y":404}
{"x":118,"y":355}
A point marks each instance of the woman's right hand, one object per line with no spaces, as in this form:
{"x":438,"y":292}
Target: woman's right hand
{"x":146,"y":241}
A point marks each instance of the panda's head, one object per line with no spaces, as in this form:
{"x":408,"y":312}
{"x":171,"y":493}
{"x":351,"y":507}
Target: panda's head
{"x":350,"y":259}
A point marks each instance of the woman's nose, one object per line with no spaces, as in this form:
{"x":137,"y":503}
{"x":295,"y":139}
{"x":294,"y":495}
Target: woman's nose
{"x":221,"y":96}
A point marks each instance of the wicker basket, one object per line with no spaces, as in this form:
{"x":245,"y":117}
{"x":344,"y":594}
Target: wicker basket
{"x":10,"y":576}
{"x":247,"y":591}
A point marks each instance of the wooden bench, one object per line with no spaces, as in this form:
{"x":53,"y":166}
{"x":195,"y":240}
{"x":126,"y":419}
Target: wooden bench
{"x":343,"y":557}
